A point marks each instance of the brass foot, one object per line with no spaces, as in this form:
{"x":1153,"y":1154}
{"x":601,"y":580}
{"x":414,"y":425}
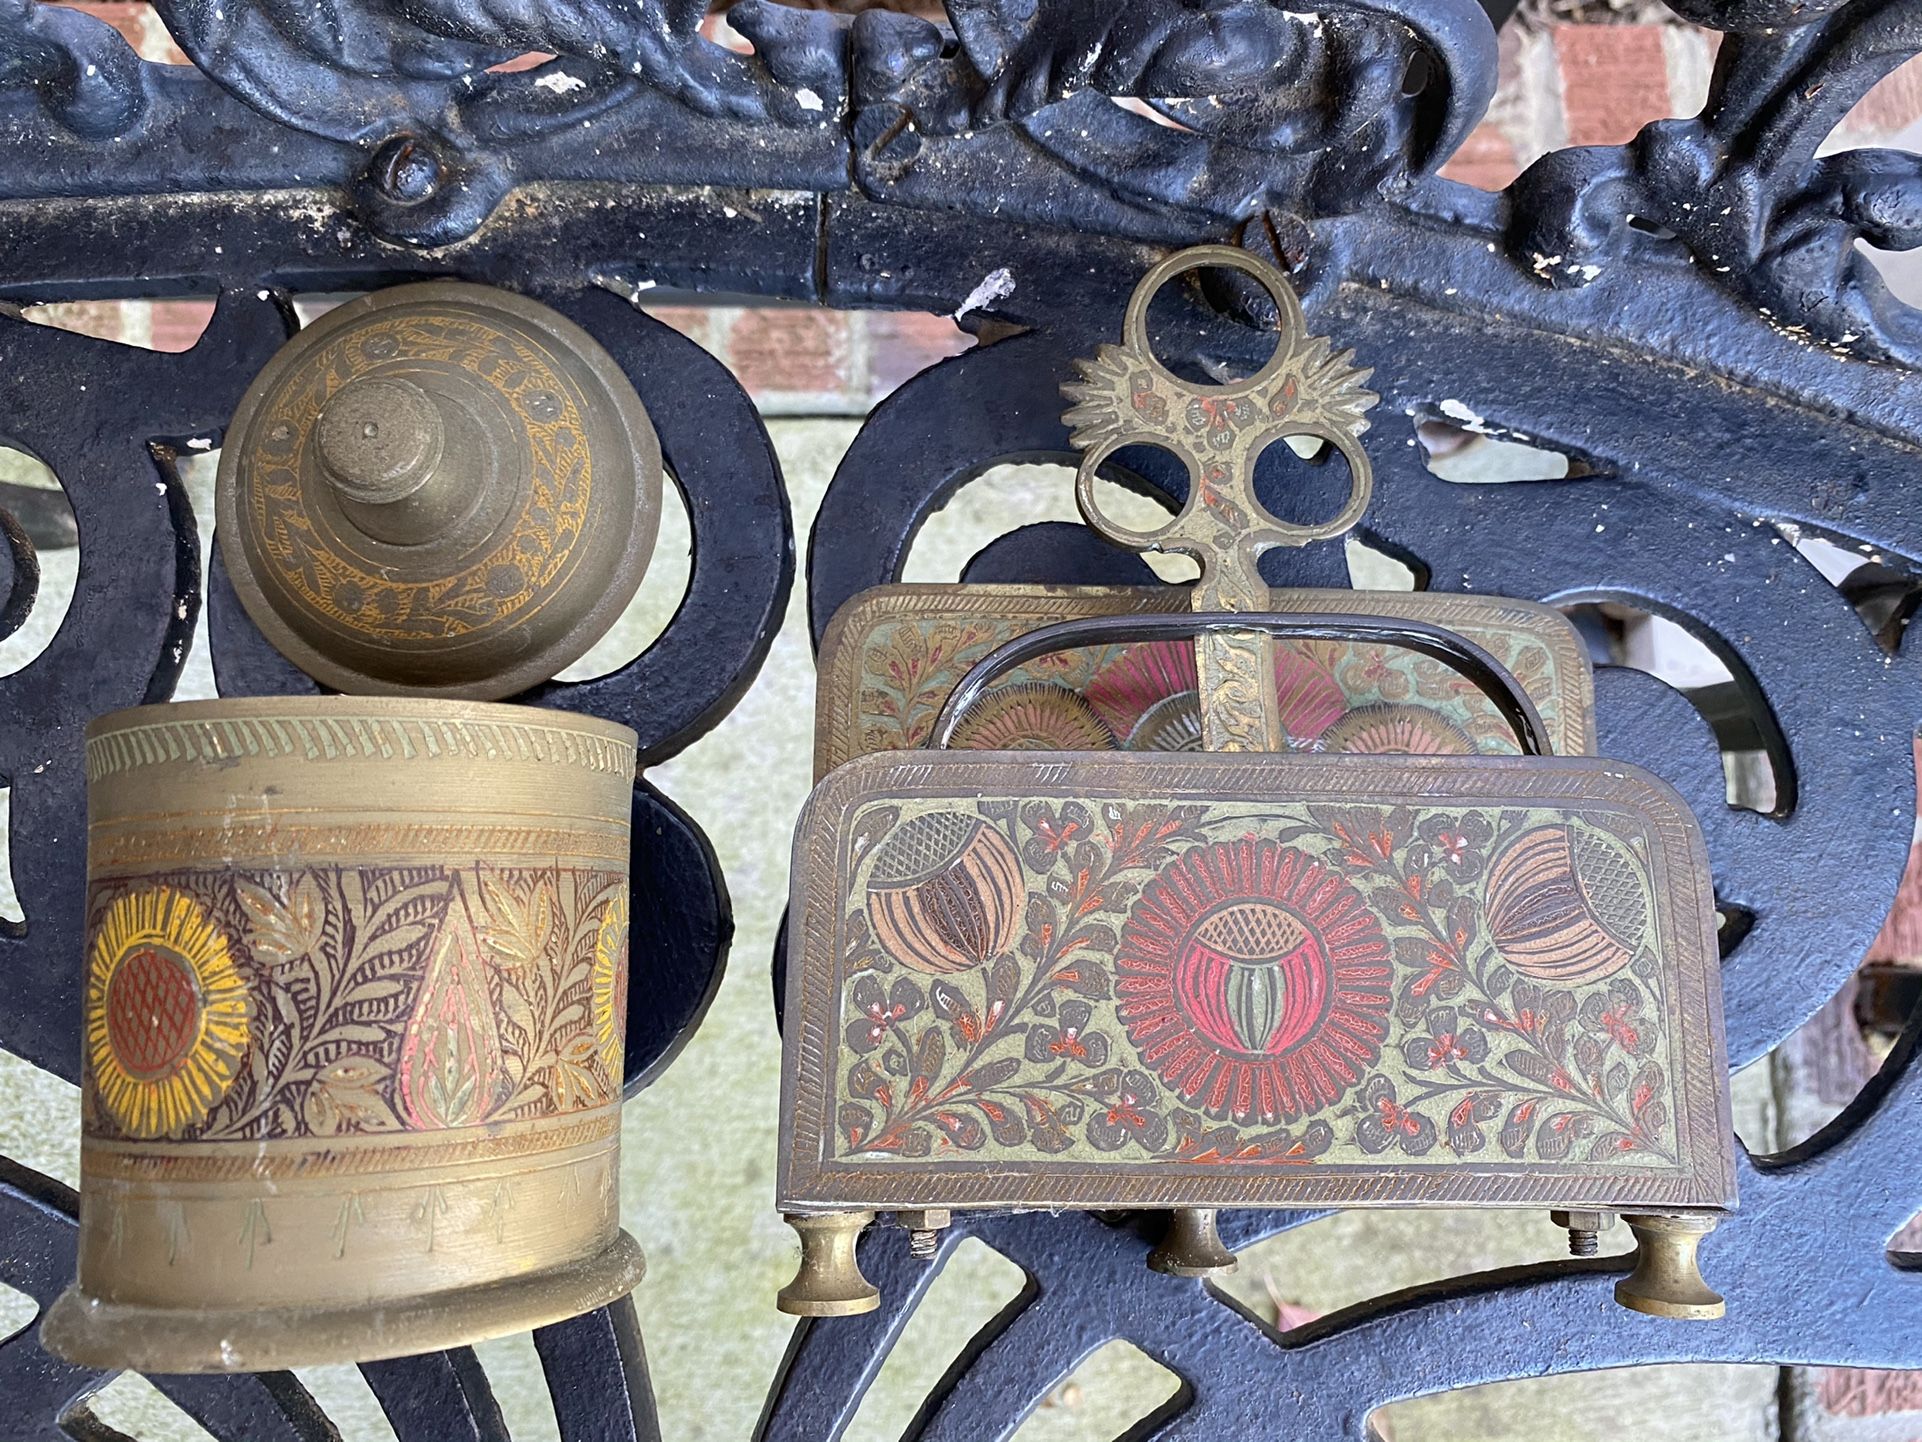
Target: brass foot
{"x":829,"y":1282}
{"x":1191,"y":1247}
{"x":1667,"y":1280}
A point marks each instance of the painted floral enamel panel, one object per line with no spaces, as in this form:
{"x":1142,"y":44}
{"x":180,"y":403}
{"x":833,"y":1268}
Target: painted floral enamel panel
{"x":1227,"y":979}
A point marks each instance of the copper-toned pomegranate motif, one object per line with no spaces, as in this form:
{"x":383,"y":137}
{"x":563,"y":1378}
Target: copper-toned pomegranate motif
{"x":1034,"y":716}
{"x":945,"y":893}
{"x":1254,"y":980}
{"x":1234,"y":982}
{"x":1397,"y":730}
{"x":1567,"y":904}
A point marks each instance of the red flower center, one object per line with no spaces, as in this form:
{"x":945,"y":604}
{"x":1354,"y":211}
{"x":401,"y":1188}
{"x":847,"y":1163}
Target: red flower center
{"x":153,"y":1012}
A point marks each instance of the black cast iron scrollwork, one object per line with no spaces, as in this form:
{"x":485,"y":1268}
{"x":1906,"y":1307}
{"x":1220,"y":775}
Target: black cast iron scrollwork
{"x":1687,"y":317}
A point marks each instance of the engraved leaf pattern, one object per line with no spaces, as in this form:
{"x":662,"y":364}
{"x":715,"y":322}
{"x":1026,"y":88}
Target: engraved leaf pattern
{"x":346,"y":1097}
{"x":344,"y":992}
{"x":546,"y":1013}
{"x":285,"y":922}
{"x":518,"y":925}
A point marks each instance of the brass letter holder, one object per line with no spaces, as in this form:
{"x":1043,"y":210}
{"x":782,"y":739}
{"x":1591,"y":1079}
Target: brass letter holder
{"x":1248,"y":977}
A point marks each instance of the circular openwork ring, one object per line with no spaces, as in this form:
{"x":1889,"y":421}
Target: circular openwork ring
{"x":1289,"y":321}
{"x":1266,"y":528}
{"x":1128,"y":397}
{"x":1361,"y":488}
{"x":1088,"y":500}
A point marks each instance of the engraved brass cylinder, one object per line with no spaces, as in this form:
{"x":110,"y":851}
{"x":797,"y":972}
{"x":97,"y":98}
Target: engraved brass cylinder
{"x":354,"y":1001}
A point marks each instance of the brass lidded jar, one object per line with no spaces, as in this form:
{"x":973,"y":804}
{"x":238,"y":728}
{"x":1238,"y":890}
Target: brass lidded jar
{"x":354,"y":998}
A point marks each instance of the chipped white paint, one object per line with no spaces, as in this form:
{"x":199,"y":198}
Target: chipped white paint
{"x":807,"y":99}
{"x":560,"y":82}
{"x":995,"y":285}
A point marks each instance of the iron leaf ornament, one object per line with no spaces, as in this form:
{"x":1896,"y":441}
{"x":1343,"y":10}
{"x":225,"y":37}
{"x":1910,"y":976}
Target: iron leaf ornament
{"x":1260,"y":112}
{"x":88,"y":80}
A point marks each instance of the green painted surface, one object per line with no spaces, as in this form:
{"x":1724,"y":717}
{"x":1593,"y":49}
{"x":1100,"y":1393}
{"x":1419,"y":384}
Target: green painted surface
{"x":698,"y":1193}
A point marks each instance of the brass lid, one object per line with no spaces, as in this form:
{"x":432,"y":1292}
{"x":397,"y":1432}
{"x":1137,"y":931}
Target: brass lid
{"x":441,"y":489}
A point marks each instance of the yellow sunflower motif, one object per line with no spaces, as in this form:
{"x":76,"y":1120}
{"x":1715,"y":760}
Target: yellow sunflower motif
{"x":167,"y":1012}
{"x":610,"y":985}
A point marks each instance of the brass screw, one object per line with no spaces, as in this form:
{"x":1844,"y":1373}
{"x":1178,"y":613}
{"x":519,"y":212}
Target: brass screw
{"x":924,"y":1230}
{"x":1584,"y":1230}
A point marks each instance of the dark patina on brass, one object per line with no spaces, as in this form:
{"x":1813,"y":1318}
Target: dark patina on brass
{"x":1247,"y":978}
{"x":355,"y":1002}
{"x":439,"y":489}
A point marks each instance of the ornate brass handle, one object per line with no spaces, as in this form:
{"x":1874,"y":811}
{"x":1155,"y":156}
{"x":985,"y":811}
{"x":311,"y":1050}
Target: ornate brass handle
{"x":1127,"y":397}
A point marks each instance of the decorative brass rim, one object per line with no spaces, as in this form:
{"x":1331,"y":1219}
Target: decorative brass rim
{"x":115,"y":1336}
